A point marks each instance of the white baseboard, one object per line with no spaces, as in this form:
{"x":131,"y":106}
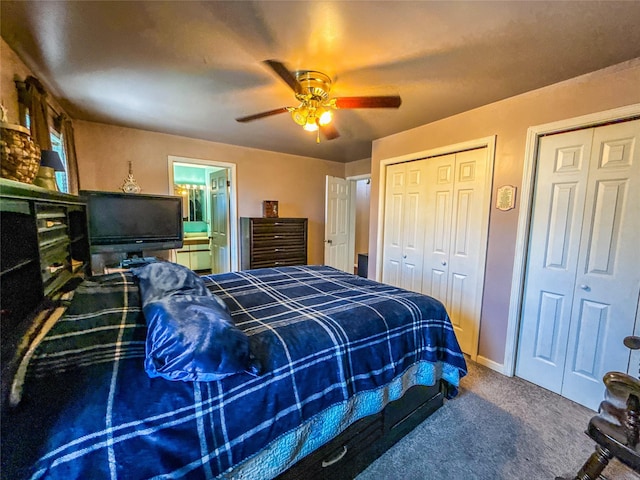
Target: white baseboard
{"x":498,"y":367}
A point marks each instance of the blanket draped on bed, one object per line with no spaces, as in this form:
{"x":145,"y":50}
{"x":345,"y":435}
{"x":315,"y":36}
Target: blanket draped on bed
{"x":323,"y":337}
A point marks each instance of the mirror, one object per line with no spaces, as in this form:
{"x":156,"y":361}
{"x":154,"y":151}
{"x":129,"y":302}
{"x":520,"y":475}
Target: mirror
{"x":193,"y":206}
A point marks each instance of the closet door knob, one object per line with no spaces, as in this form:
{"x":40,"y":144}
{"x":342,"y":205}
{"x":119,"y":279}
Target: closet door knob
{"x":584,"y":286}
{"x":404,"y":256}
{"x":444,"y":262}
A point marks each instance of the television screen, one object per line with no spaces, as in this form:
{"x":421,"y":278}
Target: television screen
{"x":132,"y":223}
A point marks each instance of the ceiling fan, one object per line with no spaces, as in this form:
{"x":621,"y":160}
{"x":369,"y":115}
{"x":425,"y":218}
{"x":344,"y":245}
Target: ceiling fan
{"x":314,"y":113}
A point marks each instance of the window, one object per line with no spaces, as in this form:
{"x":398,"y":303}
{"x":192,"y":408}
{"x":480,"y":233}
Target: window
{"x":57,"y":145}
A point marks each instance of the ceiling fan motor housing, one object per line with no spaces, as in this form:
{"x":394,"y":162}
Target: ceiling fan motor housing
{"x":315,"y":85}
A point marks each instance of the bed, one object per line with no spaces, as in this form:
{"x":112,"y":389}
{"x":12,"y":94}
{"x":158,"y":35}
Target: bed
{"x":338,"y":369}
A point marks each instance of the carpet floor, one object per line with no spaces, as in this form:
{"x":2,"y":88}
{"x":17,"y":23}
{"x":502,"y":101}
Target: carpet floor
{"x":497,"y":428}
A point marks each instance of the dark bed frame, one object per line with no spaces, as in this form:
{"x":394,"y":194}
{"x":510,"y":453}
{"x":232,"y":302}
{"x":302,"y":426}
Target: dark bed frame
{"x":342,"y":458}
{"x":364,"y":441}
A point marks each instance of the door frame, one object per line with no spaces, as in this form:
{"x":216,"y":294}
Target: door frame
{"x":233,"y":200}
{"x":524,"y":216}
{"x":353,"y":180}
{"x":486,"y":142}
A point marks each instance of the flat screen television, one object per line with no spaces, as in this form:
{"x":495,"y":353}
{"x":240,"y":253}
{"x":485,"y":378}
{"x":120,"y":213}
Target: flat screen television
{"x":133,"y":223}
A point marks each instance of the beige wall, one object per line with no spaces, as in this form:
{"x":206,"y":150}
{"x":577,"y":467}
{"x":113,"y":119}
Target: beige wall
{"x":509,"y":120}
{"x":358,"y":167}
{"x":298,"y":183}
{"x":11,"y":67}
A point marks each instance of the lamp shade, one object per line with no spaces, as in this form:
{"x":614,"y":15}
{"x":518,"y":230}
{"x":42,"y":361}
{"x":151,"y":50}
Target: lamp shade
{"x":51,"y":159}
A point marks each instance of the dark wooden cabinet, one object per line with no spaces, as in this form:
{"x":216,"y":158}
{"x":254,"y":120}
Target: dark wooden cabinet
{"x":273,"y":242}
{"x":44,"y":243}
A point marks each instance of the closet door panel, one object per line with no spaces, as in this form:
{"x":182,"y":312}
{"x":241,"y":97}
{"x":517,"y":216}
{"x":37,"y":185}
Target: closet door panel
{"x":464,"y":219}
{"x":607,"y":285}
{"x":404,"y":226}
{"x":393,"y":225}
{"x":458,"y":296}
{"x":445,"y":208}
{"x":413,"y":231}
{"x":412,"y":242}
{"x":554,"y":244}
{"x":466,"y":261}
{"x":437,"y":284}
{"x":438,"y":219}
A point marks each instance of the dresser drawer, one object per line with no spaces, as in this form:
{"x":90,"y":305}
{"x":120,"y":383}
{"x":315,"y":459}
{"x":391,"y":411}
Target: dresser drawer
{"x":277,"y":251}
{"x":278,"y":262}
{"x":337,"y":459}
{"x":279,"y":228}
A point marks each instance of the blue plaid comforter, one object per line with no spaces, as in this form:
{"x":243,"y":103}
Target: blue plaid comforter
{"x":324,"y":338}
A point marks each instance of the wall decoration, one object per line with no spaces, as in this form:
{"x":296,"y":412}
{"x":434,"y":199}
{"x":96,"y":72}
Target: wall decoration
{"x":130,"y":185}
{"x":270,"y":209}
{"x":506,"y":198}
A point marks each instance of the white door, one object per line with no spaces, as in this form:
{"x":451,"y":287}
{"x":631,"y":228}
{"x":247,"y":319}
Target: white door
{"x":583,"y":281}
{"x":336,"y":224}
{"x":456,"y":217}
{"x":220,"y":251}
{"x":404,"y":225}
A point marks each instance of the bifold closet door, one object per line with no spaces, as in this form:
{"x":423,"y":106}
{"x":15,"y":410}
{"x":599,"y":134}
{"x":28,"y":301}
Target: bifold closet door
{"x":455,"y":240}
{"x":404,"y":225}
{"x":583,"y":281}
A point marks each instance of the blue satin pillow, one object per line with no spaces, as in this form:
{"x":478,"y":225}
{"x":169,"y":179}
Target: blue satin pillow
{"x":190,"y":334}
{"x":193,"y":339}
{"x":157,"y":280}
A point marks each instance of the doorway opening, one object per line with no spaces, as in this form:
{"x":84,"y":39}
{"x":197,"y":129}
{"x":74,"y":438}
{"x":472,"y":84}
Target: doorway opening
{"x":361,"y":188}
{"x":347,"y":223}
{"x":209,"y":214}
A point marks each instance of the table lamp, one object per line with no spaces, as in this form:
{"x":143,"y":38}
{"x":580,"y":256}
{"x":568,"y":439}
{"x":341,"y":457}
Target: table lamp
{"x":50,"y":163}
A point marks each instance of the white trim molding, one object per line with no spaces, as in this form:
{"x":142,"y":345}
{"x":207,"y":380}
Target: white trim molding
{"x":526,"y":199}
{"x":498,"y":367}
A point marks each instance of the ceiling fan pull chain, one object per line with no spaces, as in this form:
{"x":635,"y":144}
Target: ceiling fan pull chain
{"x":318,"y":136}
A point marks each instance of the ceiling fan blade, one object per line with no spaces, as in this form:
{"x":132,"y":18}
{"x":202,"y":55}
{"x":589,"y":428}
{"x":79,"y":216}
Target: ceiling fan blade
{"x":391,"y":101}
{"x":257,"y":116}
{"x":284,"y":73}
{"x":329,"y":131}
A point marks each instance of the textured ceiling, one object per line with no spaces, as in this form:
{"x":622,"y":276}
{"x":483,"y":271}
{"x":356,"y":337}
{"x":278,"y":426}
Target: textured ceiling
{"x":190,"y":68}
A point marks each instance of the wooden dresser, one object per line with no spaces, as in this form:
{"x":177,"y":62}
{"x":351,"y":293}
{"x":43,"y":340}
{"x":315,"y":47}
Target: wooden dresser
{"x":45,"y":246}
{"x":273,"y":242}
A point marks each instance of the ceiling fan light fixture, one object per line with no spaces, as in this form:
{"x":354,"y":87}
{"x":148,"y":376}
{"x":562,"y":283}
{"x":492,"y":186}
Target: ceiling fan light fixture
{"x":311,"y":125}
{"x":325,"y":118}
{"x":314,"y":112}
{"x":300,"y":115}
